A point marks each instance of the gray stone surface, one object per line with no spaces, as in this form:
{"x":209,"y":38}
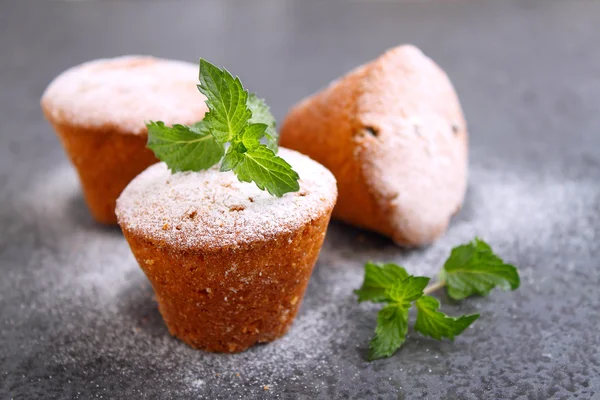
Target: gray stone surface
{"x":77,"y":318}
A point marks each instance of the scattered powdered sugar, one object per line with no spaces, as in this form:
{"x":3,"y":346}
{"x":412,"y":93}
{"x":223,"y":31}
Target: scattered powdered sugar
{"x":213,"y":209}
{"x":124,"y":92}
{"x":65,"y":240}
{"x":103,"y":320}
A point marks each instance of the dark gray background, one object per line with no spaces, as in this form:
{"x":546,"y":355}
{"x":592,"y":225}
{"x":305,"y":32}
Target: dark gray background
{"x":77,"y":318}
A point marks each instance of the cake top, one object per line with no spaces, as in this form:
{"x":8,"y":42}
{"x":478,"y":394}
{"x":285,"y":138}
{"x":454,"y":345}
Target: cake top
{"x":212,"y":209}
{"x":124,"y":93}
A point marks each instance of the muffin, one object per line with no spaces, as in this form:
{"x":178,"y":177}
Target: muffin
{"x":393,"y":134}
{"x":229,"y":263}
{"x":98,"y":110}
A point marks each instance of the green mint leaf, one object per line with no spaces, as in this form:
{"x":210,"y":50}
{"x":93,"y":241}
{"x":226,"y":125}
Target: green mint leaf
{"x":379,"y":278}
{"x":267,"y":171}
{"x":184,"y":148}
{"x":226,"y":100}
{"x":231,"y":160}
{"x":390,"y":333}
{"x":252,"y":134}
{"x":392,"y":320}
{"x":405,"y":291}
{"x":434,"y":323}
{"x":473,"y":269}
{"x":262,"y":115}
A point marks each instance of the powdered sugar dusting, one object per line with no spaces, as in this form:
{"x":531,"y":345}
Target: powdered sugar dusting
{"x":125,"y":92}
{"x":85,"y":278}
{"x":418,"y":162}
{"x":212,"y":208}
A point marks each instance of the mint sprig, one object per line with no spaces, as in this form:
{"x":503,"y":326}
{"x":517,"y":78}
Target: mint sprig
{"x":471,"y":269}
{"x":231,"y":132}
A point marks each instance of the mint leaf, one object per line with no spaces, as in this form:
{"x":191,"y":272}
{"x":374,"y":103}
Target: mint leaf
{"x":184,"y":148}
{"x":226,"y":100}
{"x":378,"y":278}
{"x":252,"y":134}
{"x":231,"y":159}
{"x":390,"y":333}
{"x":392,"y":320}
{"x":474,"y":269}
{"x":267,"y":171}
{"x":434,"y":323}
{"x":405,"y":291}
{"x":261,"y":114}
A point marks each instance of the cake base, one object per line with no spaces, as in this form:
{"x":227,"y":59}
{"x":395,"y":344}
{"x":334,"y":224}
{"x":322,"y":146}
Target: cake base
{"x":230,"y":298}
{"x":106,"y":161}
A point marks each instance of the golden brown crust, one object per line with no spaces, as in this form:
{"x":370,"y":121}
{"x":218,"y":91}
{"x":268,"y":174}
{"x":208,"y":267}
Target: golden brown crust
{"x":323,"y":128}
{"x":228,"y":299}
{"x":393,"y":135}
{"x":106,"y":160}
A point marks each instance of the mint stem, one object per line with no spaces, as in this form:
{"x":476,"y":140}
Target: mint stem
{"x":436,"y":286}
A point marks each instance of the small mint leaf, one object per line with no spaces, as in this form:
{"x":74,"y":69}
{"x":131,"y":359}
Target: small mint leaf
{"x":231,"y":160}
{"x":226,"y":100}
{"x":407,"y":290}
{"x":268,"y":171}
{"x":184,"y":148}
{"x":261,"y":114}
{"x":378,"y":278}
{"x":252,"y":134}
{"x":392,"y":320}
{"x":473,"y":269}
{"x":390,"y":333}
{"x":434,"y":323}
